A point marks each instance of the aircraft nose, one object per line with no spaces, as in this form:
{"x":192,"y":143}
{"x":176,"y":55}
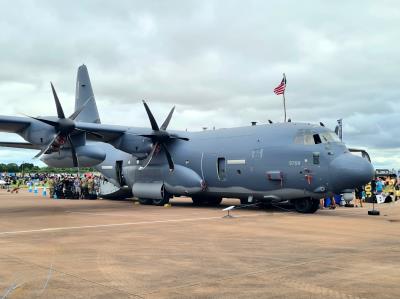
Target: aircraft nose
{"x":349,"y":171}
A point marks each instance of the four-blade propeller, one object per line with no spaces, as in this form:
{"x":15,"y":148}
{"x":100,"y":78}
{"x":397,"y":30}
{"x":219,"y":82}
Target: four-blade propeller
{"x":64,"y":127}
{"x":160,"y":137}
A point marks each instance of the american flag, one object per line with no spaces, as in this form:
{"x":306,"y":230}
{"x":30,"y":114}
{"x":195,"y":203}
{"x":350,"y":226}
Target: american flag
{"x":280,"y":89}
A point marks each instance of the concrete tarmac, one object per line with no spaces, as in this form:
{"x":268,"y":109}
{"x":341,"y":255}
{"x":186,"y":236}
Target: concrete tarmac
{"x":117,"y":249}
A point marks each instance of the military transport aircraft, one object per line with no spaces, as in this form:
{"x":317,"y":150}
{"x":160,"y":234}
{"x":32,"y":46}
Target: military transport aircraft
{"x":299,"y":162}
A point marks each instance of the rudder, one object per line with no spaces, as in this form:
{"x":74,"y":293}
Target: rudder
{"x":83,"y":92}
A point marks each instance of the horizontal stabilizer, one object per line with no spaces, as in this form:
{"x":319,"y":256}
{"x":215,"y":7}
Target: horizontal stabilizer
{"x":19,"y":145}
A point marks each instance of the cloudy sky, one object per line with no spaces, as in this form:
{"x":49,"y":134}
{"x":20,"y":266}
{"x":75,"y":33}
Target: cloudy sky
{"x":217,"y":61}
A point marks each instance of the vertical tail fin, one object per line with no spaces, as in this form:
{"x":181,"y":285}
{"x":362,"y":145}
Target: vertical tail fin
{"x":83,"y":92}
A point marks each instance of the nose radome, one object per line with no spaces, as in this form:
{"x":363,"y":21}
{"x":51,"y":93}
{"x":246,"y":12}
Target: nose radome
{"x":349,"y":171}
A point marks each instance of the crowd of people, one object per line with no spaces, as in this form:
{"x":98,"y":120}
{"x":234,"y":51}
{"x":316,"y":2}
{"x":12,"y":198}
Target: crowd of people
{"x":387,"y":188}
{"x":74,"y":187}
{"x":70,"y":186}
{"x":381,"y":189}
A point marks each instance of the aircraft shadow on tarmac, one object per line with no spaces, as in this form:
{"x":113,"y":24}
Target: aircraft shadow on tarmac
{"x":284,"y":208}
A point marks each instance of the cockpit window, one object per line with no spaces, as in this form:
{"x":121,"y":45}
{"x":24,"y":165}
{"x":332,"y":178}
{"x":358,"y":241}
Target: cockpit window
{"x":329,"y":137}
{"x":308,"y":137}
{"x":317,"y":139}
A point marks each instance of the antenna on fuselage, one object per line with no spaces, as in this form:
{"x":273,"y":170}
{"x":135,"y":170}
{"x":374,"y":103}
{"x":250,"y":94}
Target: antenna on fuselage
{"x":270,"y":121}
{"x":228,"y":209}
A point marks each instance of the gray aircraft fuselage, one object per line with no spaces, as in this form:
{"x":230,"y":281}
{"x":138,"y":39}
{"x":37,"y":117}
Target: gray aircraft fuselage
{"x":266,"y":162}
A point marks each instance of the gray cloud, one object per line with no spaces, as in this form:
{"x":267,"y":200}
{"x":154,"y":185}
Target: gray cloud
{"x":217,"y":61}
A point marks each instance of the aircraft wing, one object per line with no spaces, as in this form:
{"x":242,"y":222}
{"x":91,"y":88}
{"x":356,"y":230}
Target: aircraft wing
{"x":14,"y":124}
{"x":108,"y":132}
{"x":25,"y":145}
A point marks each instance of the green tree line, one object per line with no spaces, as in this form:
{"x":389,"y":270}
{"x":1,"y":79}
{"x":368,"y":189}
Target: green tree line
{"x":31,"y":168}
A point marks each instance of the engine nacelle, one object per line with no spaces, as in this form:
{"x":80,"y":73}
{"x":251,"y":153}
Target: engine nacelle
{"x":136,"y":145}
{"x":38,"y":133}
{"x":88,"y":156}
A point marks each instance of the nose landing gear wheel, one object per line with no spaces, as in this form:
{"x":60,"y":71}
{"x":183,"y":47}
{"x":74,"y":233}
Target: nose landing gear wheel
{"x":306,"y":205}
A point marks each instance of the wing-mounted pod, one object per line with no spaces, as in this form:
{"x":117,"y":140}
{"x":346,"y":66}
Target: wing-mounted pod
{"x":156,"y":183}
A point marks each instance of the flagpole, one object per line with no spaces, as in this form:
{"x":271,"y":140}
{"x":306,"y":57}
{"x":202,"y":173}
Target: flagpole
{"x":284,"y":99}
{"x":284,"y":105}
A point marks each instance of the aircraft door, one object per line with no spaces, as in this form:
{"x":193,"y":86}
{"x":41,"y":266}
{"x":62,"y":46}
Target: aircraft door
{"x":221,"y":168}
{"x":315,"y":170}
{"x":118,"y":169}
{"x":213,"y":168}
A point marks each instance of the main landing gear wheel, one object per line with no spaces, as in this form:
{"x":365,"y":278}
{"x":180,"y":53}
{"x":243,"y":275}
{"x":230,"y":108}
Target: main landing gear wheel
{"x":214,"y":202}
{"x":162,"y":201}
{"x":206,"y":201}
{"x":244,"y":201}
{"x":197,"y":201}
{"x":306,"y":205}
{"x":145,"y":201}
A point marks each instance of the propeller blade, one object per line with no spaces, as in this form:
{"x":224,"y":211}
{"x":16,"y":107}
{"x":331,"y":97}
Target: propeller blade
{"x":46,"y":121}
{"x":91,"y":133}
{"x":149,"y":157}
{"x":167,"y":120}
{"x":171,"y":136}
{"x":153,"y":122}
{"x":178,"y":137}
{"x":47,"y":147}
{"x":77,"y":112}
{"x":169,"y":158}
{"x":60,"y":111}
{"x":73,"y":151}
